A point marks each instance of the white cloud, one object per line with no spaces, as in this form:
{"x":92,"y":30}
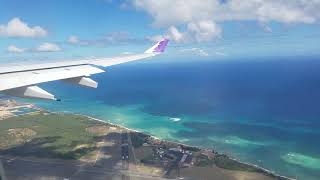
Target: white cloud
{"x":202,"y":31}
{"x":73,"y":40}
{"x":168,"y":12}
{"x":14,"y":49}
{"x":155,"y":38}
{"x":284,"y":11}
{"x":265,"y":27}
{"x":200,"y":19}
{"x":202,"y":52}
{"x":120,"y":37}
{"x":174,"y":34}
{"x":197,"y":51}
{"x":76,"y":41}
{"x":195,"y":16}
{"x":44,"y":47}
{"x":127,"y":53}
{"x":17,"y":28}
{"x":48,"y":47}
{"x":218,"y":53}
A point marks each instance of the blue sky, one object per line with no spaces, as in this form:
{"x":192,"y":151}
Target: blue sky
{"x":211,"y":29}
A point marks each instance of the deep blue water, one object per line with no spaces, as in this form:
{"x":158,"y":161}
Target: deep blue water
{"x":264,"y":111}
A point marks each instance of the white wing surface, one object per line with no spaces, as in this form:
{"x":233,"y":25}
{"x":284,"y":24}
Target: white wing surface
{"x":21,"y":80}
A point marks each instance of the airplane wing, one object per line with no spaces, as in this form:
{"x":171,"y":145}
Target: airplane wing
{"x":21,"y":80}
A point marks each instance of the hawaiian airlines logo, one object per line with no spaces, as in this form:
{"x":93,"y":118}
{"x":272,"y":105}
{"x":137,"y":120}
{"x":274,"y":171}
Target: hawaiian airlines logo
{"x":162,"y":46}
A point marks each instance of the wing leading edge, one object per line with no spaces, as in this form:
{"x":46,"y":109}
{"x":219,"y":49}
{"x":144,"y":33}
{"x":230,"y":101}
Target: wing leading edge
{"x":21,"y":80}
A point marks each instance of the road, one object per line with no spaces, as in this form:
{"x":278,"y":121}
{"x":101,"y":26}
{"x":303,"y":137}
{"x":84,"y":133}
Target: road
{"x":125,"y":154}
{"x":2,"y":172}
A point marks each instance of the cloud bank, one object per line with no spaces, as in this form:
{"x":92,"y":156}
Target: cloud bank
{"x":198,"y":21}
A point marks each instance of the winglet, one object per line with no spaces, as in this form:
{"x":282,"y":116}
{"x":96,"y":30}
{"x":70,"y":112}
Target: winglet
{"x":159,"y":47}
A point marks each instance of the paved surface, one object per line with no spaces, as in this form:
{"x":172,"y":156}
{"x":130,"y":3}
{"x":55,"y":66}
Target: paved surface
{"x":109,"y":164}
{"x":20,"y":169}
{"x":125,"y":158}
{"x":2,"y":172}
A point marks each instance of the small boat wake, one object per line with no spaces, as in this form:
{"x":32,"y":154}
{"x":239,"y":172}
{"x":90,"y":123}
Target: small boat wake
{"x":175,"y":119}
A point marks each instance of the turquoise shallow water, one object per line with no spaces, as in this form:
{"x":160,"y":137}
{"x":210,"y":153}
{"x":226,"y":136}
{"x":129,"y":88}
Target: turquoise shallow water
{"x":262,"y":112}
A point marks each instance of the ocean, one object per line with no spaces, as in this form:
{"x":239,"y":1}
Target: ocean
{"x":264,"y":111}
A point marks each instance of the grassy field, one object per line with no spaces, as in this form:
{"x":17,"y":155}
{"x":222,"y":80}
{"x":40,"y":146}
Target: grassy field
{"x":48,"y":135}
{"x":224,"y":162}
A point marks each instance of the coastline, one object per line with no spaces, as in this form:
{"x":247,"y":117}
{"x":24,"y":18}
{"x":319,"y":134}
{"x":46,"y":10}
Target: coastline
{"x":261,"y":169}
{"x":264,"y":170}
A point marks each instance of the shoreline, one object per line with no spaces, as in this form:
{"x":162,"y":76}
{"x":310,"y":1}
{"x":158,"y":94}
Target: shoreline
{"x":267,"y":171}
{"x":263,"y":170}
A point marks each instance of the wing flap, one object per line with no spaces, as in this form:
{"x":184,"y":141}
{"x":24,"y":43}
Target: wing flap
{"x":30,"y":92}
{"x":21,"y":79}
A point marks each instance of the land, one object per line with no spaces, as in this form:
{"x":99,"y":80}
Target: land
{"x":46,"y":145}
{"x":10,"y":108}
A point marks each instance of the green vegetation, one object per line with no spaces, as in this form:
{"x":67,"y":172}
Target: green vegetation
{"x":190,"y":148}
{"x":150,"y":159}
{"x":47,"y":135}
{"x":137,"y":139}
{"x":204,"y":161}
{"x":225,"y":162}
